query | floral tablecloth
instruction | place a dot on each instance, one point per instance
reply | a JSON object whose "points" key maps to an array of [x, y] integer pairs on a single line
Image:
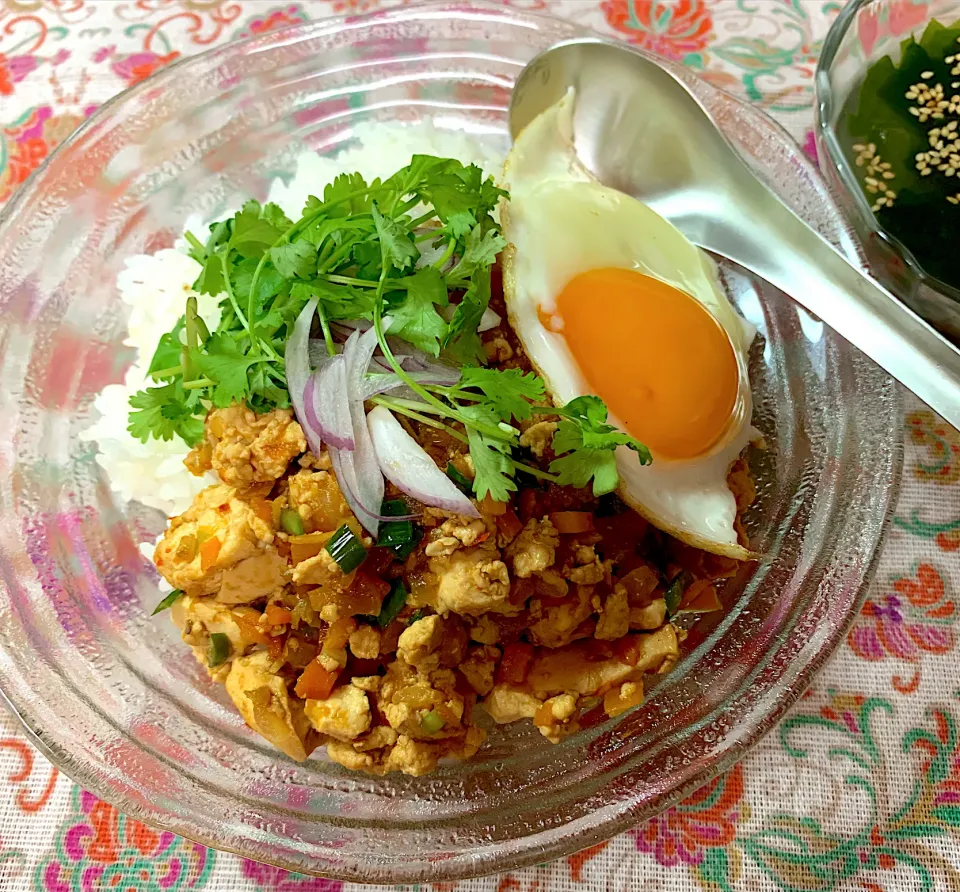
{"points": [[858, 788]]}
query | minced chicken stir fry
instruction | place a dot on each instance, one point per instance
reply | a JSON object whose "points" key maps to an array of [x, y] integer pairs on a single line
{"points": [[552, 606]]}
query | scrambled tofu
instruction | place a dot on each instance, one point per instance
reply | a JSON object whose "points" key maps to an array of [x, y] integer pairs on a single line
{"points": [[538, 438], [208, 547], [266, 705], [315, 496], [501, 612], [344, 715], [246, 449], [535, 549], [199, 618], [471, 581], [457, 532]]}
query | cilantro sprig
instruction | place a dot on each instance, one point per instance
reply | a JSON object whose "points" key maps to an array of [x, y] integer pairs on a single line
{"points": [[586, 446], [358, 249]]}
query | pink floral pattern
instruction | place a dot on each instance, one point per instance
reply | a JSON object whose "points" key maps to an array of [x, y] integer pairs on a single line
{"points": [[916, 617]]}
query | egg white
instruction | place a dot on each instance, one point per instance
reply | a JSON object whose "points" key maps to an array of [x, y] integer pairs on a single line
{"points": [[560, 222]]}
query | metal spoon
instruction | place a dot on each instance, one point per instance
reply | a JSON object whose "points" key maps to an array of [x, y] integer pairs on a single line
{"points": [[641, 131]]}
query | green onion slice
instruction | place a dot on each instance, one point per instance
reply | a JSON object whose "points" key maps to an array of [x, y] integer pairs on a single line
{"points": [[431, 722], [168, 601], [463, 483], [346, 549], [675, 591], [399, 536], [219, 649], [291, 522], [392, 604]]}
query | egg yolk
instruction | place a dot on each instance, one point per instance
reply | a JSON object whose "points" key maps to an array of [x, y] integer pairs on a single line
{"points": [[657, 357]]}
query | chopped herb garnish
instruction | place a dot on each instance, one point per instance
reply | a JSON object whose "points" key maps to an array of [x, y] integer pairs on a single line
{"points": [[393, 604], [416, 616], [464, 483], [219, 649], [675, 590], [590, 444], [346, 549], [291, 522], [356, 250], [432, 722], [399, 536], [168, 601]]}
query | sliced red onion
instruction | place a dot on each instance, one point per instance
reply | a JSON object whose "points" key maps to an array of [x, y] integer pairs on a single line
{"points": [[357, 353], [297, 364], [317, 351], [410, 468], [380, 383], [327, 406], [345, 471], [489, 320]]}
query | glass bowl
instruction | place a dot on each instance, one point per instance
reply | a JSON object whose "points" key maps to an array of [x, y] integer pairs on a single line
{"points": [[118, 702], [865, 31]]}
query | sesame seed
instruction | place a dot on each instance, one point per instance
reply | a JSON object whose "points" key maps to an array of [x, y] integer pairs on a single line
{"points": [[926, 74]]}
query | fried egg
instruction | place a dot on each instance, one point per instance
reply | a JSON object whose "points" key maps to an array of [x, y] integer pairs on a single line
{"points": [[609, 298]]}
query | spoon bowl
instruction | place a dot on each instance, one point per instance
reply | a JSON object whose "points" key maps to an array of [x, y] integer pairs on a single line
{"points": [[641, 131]]}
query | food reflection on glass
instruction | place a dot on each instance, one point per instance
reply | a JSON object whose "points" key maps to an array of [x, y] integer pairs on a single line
{"points": [[899, 133], [453, 451]]}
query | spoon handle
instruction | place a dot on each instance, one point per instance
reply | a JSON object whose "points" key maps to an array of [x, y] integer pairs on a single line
{"points": [[810, 270]]}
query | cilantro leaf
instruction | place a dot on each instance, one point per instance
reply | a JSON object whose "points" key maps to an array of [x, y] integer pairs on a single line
{"points": [[491, 458], [344, 185], [223, 362], [275, 216], [269, 284], [480, 250], [210, 280], [577, 469], [397, 249], [508, 392], [167, 354], [252, 235], [165, 412], [416, 319], [339, 301], [462, 341], [584, 433], [296, 259]]}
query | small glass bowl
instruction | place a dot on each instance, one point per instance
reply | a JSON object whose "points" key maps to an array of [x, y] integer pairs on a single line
{"points": [[865, 31], [114, 697]]}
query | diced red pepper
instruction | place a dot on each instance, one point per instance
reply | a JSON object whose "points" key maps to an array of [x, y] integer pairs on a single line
{"points": [[516, 661], [277, 615], [315, 682]]}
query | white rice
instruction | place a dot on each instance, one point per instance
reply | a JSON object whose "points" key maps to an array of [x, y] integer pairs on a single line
{"points": [[155, 287]]}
